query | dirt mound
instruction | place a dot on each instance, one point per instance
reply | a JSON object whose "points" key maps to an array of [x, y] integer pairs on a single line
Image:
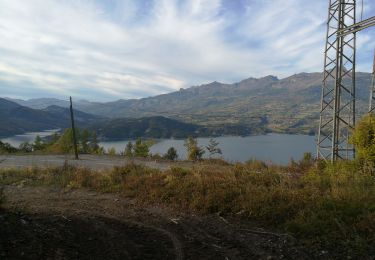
{"points": [[41, 236]]}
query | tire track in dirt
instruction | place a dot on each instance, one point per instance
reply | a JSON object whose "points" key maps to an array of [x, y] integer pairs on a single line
{"points": [[175, 241]]}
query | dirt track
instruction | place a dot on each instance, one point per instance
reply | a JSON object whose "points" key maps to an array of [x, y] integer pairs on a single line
{"points": [[96, 162], [51, 223]]}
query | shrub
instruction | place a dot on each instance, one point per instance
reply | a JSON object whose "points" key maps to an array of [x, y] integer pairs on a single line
{"points": [[171, 154], [129, 150], [141, 149], [26, 147], [363, 138], [111, 151]]}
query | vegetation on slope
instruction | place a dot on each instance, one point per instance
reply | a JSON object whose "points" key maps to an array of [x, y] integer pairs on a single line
{"points": [[329, 206]]}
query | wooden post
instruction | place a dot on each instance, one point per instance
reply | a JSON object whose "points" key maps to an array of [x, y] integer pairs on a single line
{"points": [[73, 129]]}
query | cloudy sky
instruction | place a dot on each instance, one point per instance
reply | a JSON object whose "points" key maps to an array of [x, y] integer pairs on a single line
{"points": [[111, 49]]}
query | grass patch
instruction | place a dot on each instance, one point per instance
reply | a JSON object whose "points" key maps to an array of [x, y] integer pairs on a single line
{"points": [[326, 206]]}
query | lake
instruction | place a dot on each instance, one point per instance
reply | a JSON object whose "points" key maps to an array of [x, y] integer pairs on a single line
{"points": [[27, 137], [276, 148]]}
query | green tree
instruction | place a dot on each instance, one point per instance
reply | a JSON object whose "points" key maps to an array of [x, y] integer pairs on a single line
{"points": [[94, 144], [65, 142], [38, 144], [129, 150], [84, 140], [7, 148], [194, 152], [141, 149], [363, 138], [54, 138], [171, 154], [213, 148]]}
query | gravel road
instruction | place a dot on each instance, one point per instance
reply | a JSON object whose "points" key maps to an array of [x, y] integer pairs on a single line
{"points": [[95, 162]]}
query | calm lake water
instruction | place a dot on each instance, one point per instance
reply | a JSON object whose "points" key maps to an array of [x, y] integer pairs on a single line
{"points": [[27, 137], [276, 148]]}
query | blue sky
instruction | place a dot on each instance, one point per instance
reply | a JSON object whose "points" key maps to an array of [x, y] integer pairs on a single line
{"points": [[110, 49]]}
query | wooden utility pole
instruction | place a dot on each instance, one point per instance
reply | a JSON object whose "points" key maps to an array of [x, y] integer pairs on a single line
{"points": [[73, 129]]}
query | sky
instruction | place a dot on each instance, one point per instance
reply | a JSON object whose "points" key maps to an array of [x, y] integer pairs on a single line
{"points": [[103, 50]]}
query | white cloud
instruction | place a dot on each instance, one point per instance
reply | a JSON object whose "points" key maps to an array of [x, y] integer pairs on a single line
{"points": [[127, 48]]}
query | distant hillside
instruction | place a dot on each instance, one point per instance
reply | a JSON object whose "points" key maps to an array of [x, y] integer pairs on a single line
{"points": [[289, 105], [17, 119], [153, 127], [162, 127], [64, 115]]}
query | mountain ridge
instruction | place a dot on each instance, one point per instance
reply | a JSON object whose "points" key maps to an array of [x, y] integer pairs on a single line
{"points": [[287, 105]]}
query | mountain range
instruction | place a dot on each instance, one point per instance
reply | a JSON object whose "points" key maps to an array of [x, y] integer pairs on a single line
{"points": [[251, 106], [16, 119]]}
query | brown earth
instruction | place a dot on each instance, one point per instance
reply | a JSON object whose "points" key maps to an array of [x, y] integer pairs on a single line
{"points": [[52, 223]]}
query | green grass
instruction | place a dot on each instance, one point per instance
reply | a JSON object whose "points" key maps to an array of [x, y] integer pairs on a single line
{"points": [[324, 206]]}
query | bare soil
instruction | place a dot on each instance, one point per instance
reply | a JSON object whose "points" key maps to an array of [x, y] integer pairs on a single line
{"points": [[51, 223]]}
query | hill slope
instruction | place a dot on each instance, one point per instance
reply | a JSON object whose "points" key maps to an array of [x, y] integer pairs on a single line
{"points": [[289, 105], [17, 119]]}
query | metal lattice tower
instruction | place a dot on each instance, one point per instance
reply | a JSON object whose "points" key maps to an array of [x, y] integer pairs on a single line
{"points": [[371, 107], [337, 114]]}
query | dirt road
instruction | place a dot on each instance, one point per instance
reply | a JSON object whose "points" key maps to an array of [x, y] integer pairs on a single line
{"points": [[51, 223], [95, 162]]}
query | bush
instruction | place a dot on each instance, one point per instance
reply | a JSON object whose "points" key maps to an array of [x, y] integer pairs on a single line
{"points": [[26, 147], [7, 148], [363, 138], [171, 154], [129, 150], [111, 151], [141, 149]]}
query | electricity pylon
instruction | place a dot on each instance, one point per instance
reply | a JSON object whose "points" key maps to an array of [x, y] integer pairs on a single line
{"points": [[337, 111], [371, 106]]}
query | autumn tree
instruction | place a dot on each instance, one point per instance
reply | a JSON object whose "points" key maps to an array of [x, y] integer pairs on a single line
{"points": [[363, 139], [194, 152]]}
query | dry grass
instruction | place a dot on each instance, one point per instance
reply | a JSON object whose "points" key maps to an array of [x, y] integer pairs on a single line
{"points": [[328, 206]]}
